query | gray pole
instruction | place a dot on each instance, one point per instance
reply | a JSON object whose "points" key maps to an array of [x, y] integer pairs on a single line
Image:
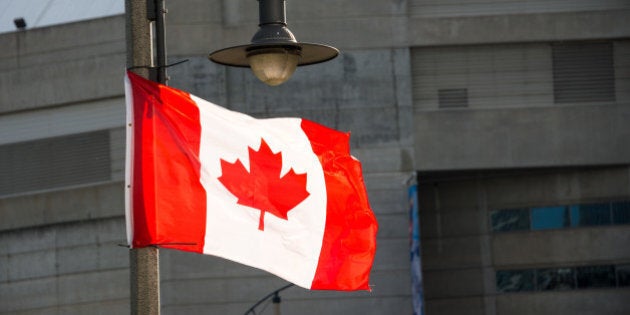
{"points": [[143, 262]]}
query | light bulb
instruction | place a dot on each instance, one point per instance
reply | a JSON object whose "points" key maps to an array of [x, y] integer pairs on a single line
{"points": [[273, 66]]}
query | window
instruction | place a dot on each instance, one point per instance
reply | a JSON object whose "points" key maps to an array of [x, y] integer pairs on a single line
{"points": [[55, 162], [555, 279], [510, 220], [562, 216], [544, 218], [563, 278], [515, 280], [596, 277], [623, 275], [590, 214], [621, 212], [583, 72]]}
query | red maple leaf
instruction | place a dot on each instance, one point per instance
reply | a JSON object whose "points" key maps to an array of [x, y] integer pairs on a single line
{"points": [[262, 187]]}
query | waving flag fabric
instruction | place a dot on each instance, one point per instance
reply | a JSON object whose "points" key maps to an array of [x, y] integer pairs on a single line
{"points": [[283, 194]]}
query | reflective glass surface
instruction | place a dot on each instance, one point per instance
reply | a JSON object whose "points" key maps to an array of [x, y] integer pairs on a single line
{"points": [[623, 275], [515, 280], [544, 218], [561, 216], [595, 276], [621, 212], [555, 279], [590, 214], [510, 220]]}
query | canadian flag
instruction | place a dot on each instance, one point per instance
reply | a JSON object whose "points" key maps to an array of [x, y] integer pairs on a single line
{"points": [[283, 195]]}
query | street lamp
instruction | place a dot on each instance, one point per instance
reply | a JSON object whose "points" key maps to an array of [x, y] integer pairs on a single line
{"points": [[273, 53]]}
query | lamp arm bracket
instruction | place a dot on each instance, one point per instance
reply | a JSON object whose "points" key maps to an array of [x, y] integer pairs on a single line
{"points": [[153, 70], [158, 67], [274, 294]]}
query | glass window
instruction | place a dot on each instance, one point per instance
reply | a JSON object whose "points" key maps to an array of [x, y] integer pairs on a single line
{"points": [[555, 279], [621, 212], [590, 214], [595, 276], [515, 280], [510, 220], [544, 218], [623, 275]]}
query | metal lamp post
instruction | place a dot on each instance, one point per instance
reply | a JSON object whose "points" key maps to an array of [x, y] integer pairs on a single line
{"points": [[273, 53], [146, 56]]}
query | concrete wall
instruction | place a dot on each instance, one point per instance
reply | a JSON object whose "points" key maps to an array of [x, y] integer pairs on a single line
{"points": [[583, 135], [67, 268], [65, 64]]}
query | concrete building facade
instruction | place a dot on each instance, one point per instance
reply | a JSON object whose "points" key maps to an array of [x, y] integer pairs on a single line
{"points": [[512, 114]]}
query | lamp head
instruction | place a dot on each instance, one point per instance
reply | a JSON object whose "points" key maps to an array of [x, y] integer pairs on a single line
{"points": [[273, 53]]}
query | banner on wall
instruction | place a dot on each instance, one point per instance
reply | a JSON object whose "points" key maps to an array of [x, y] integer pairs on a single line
{"points": [[417, 292]]}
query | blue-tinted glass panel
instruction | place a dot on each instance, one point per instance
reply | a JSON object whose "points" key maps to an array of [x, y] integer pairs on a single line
{"points": [[555, 279], [544, 218], [510, 220], [595, 276], [515, 280], [621, 212], [590, 214], [623, 275]]}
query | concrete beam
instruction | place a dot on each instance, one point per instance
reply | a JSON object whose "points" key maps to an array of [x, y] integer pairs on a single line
{"points": [[523, 137], [81, 203], [515, 28], [567, 248]]}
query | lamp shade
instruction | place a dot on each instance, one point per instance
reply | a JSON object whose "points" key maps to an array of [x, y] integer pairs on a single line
{"points": [[274, 53], [309, 53]]}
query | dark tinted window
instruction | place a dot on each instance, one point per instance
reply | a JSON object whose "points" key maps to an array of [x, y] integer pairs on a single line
{"points": [[555, 279], [590, 214], [563, 278], [510, 220], [621, 212], [623, 275], [515, 280], [595, 276]]}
